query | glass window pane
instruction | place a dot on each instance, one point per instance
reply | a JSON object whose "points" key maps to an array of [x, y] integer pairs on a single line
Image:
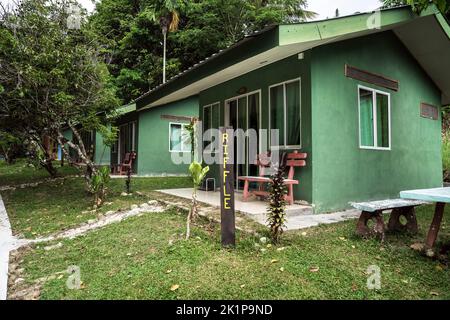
{"points": [[293, 113], [277, 112], [366, 118], [175, 137], [206, 125], [241, 141], [215, 116], [382, 120], [253, 123]]}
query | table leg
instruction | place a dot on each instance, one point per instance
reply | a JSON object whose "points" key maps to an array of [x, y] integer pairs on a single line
{"points": [[435, 225], [246, 192]]}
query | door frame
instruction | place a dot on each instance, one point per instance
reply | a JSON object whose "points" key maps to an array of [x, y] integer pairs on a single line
{"points": [[227, 121], [133, 139]]}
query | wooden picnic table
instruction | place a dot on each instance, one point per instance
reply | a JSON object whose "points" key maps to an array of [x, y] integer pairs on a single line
{"points": [[441, 196]]}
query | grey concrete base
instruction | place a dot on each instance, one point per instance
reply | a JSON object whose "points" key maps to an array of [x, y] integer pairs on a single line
{"points": [[254, 208], [297, 216], [303, 222]]}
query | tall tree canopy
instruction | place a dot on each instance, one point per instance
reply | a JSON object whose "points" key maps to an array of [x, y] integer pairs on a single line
{"points": [[52, 76], [132, 36]]}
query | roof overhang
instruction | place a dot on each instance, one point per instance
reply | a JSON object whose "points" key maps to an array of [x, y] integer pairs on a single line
{"points": [[426, 36]]}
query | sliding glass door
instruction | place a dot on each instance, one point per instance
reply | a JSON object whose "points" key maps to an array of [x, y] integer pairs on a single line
{"points": [[243, 112]]}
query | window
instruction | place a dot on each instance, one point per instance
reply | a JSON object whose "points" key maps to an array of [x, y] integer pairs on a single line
{"points": [[374, 119], [179, 138], [211, 120], [285, 107]]}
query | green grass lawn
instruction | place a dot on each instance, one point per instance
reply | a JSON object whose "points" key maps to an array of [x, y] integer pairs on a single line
{"points": [[143, 257], [20, 172], [58, 205]]}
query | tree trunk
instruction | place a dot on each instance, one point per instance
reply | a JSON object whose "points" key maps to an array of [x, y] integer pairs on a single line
{"points": [[48, 165], [81, 151], [192, 214], [47, 161]]}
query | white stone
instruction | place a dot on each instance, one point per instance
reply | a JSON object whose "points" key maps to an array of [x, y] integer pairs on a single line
{"points": [[145, 206], [56, 246], [134, 206]]}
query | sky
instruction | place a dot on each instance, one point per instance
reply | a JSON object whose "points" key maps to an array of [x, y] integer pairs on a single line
{"points": [[327, 8], [324, 8]]}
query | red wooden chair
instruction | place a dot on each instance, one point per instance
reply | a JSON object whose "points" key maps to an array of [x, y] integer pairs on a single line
{"points": [[126, 164], [293, 160]]}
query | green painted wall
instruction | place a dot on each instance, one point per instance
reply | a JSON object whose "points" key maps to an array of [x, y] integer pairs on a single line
{"points": [[261, 79], [154, 155], [342, 171]]}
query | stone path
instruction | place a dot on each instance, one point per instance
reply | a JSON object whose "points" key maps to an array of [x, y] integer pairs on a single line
{"points": [[151, 207], [9, 243], [35, 184]]}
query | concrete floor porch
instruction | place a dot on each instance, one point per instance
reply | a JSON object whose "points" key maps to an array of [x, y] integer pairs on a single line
{"points": [[297, 216], [254, 208]]}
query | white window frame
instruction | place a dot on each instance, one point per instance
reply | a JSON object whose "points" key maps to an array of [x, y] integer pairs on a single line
{"points": [[284, 83], [183, 126], [374, 120], [227, 120], [246, 96]]}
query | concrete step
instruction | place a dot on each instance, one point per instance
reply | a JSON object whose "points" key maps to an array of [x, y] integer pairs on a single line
{"points": [[298, 210]]}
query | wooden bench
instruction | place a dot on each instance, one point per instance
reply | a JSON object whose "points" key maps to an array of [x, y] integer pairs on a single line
{"points": [[294, 159], [373, 210]]}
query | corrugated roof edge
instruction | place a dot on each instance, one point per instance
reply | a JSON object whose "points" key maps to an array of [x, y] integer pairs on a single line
{"points": [[244, 39]]}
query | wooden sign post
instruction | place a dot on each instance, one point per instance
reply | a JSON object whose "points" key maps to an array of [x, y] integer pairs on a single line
{"points": [[227, 212]]}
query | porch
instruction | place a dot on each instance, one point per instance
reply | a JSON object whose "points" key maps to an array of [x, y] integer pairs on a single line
{"points": [[298, 216]]}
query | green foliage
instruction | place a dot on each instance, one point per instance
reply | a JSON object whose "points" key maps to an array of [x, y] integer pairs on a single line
{"points": [[198, 173], [131, 37], [99, 185], [446, 155], [277, 204], [190, 129], [52, 75], [420, 5], [9, 146]]}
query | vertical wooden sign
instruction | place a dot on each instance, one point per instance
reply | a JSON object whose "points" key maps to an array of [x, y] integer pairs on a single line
{"points": [[227, 212]]}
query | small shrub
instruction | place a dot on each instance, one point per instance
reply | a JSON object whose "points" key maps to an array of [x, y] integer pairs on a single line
{"points": [[99, 185], [198, 173], [277, 204]]}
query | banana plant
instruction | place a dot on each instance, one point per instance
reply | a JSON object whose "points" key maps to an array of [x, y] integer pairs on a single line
{"points": [[198, 174]]}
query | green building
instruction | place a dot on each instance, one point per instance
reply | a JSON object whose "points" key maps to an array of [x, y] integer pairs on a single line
{"points": [[360, 94]]}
